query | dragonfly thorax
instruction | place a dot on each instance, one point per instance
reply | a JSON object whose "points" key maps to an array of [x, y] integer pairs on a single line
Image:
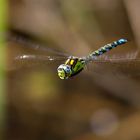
{"points": [[72, 66]]}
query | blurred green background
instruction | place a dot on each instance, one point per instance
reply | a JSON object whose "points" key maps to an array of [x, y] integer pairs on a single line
{"points": [[3, 27], [102, 102]]}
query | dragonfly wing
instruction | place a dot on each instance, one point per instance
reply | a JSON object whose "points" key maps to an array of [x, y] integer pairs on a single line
{"points": [[27, 60], [121, 86], [119, 76], [127, 64], [28, 43], [39, 57]]}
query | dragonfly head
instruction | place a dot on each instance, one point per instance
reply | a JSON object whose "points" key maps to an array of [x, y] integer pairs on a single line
{"points": [[64, 71]]}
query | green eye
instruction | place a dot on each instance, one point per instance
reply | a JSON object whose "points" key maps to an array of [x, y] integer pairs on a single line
{"points": [[61, 74]]}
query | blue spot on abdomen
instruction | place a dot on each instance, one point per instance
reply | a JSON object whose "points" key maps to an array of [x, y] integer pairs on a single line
{"points": [[122, 41]]}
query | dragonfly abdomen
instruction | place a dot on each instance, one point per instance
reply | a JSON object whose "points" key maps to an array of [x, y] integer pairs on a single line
{"points": [[107, 48]]}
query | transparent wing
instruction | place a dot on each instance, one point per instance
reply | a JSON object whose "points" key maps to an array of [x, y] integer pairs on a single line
{"points": [[125, 64], [119, 57], [32, 44], [124, 86], [30, 53], [119, 75], [27, 57], [28, 60]]}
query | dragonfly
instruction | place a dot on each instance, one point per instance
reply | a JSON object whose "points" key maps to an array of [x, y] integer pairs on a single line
{"points": [[118, 73], [73, 65]]}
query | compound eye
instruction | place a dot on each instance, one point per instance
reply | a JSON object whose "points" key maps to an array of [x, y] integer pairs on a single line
{"points": [[67, 69]]}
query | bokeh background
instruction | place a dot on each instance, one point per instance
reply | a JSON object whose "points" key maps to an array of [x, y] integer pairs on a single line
{"points": [[102, 102]]}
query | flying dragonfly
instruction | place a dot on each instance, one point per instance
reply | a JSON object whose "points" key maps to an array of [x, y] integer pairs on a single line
{"points": [[73, 65]]}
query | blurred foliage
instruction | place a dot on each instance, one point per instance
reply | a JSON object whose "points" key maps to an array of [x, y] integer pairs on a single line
{"points": [[3, 25]]}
